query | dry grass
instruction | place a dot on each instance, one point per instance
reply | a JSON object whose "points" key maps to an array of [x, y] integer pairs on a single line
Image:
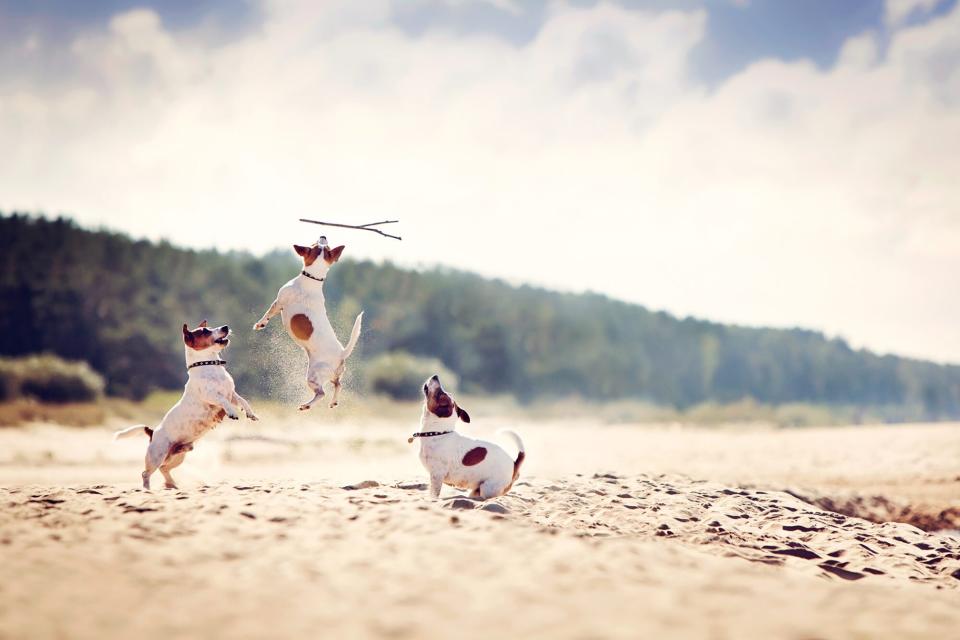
{"points": [[72, 414], [356, 406]]}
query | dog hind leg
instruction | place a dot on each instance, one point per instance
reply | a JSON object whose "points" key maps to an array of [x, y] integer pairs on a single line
{"points": [[335, 380], [170, 464], [156, 454], [488, 489], [317, 394], [336, 392], [316, 376]]}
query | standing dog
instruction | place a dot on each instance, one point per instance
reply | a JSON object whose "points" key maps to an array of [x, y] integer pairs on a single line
{"points": [[208, 396], [482, 468], [302, 307]]}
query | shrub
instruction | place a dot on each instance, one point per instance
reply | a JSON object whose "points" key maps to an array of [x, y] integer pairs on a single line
{"points": [[400, 375], [9, 383], [798, 414], [742, 411], [48, 378]]}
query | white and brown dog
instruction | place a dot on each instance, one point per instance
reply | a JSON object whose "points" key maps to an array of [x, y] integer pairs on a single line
{"points": [[302, 307], [482, 468], [208, 396]]}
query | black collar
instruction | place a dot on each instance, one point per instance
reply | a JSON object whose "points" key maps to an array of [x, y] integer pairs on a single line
{"points": [[427, 434], [203, 363], [304, 273]]}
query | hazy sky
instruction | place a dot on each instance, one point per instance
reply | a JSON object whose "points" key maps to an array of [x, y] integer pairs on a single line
{"points": [[753, 161]]}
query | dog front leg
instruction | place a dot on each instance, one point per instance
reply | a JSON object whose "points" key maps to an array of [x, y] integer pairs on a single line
{"points": [[436, 483], [220, 399], [247, 409], [272, 311]]}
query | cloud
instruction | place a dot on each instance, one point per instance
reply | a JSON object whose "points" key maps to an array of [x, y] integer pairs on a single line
{"points": [[588, 158], [898, 11]]}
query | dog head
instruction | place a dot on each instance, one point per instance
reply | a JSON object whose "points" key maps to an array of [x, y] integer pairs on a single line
{"points": [[318, 257], [205, 339], [438, 405]]}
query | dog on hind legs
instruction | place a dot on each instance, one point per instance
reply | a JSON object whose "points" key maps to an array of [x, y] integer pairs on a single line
{"points": [[482, 468], [302, 307], [208, 397]]}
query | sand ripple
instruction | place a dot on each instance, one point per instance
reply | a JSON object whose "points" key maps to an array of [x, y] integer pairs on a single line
{"points": [[583, 556]]}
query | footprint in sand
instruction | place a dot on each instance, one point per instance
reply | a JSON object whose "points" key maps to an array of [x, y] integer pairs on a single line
{"points": [[366, 484], [493, 507], [840, 572], [806, 554]]}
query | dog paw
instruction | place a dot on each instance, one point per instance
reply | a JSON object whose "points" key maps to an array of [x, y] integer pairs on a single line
{"points": [[334, 405], [233, 416], [304, 407], [259, 326], [252, 416], [170, 485]]}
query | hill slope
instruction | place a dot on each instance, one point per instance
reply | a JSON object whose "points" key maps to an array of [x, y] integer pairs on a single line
{"points": [[118, 303]]}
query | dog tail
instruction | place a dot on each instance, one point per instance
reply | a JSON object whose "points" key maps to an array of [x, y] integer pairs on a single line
{"points": [[354, 336], [129, 432], [521, 453]]}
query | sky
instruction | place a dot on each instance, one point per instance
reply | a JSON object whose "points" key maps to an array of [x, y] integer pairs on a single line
{"points": [[761, 162]]}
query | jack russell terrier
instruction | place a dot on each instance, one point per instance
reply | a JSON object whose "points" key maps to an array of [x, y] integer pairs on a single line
{"points": [[482, 468], [208, 396], [302, 307]]}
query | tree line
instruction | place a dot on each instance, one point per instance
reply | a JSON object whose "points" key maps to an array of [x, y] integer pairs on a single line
{"points": [[117, 303]]}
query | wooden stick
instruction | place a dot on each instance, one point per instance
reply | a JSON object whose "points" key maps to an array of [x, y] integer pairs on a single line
{"points": [[363, 227]]}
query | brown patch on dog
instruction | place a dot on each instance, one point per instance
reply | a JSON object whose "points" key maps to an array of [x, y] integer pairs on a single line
{"points": [[474, 456], [179, 447], [521, 456], [199, 339], [332, 255], [301, 326], [220, 415], [441, 405], [309, 254]]}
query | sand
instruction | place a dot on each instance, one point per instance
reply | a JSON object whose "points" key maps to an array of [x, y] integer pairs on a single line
{"points": [[612, 532]]}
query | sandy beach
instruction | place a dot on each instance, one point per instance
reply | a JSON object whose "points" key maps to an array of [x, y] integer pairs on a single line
{"points": [[612, 532]]}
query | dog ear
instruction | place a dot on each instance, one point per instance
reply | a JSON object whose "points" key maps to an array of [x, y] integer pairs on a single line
{"points": [[463, 415], [301, 250], [187, 336], [332, 255], [203, 324]]}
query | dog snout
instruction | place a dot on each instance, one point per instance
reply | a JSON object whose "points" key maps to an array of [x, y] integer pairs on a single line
{"points": [[225, 329], [435, 378]]}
